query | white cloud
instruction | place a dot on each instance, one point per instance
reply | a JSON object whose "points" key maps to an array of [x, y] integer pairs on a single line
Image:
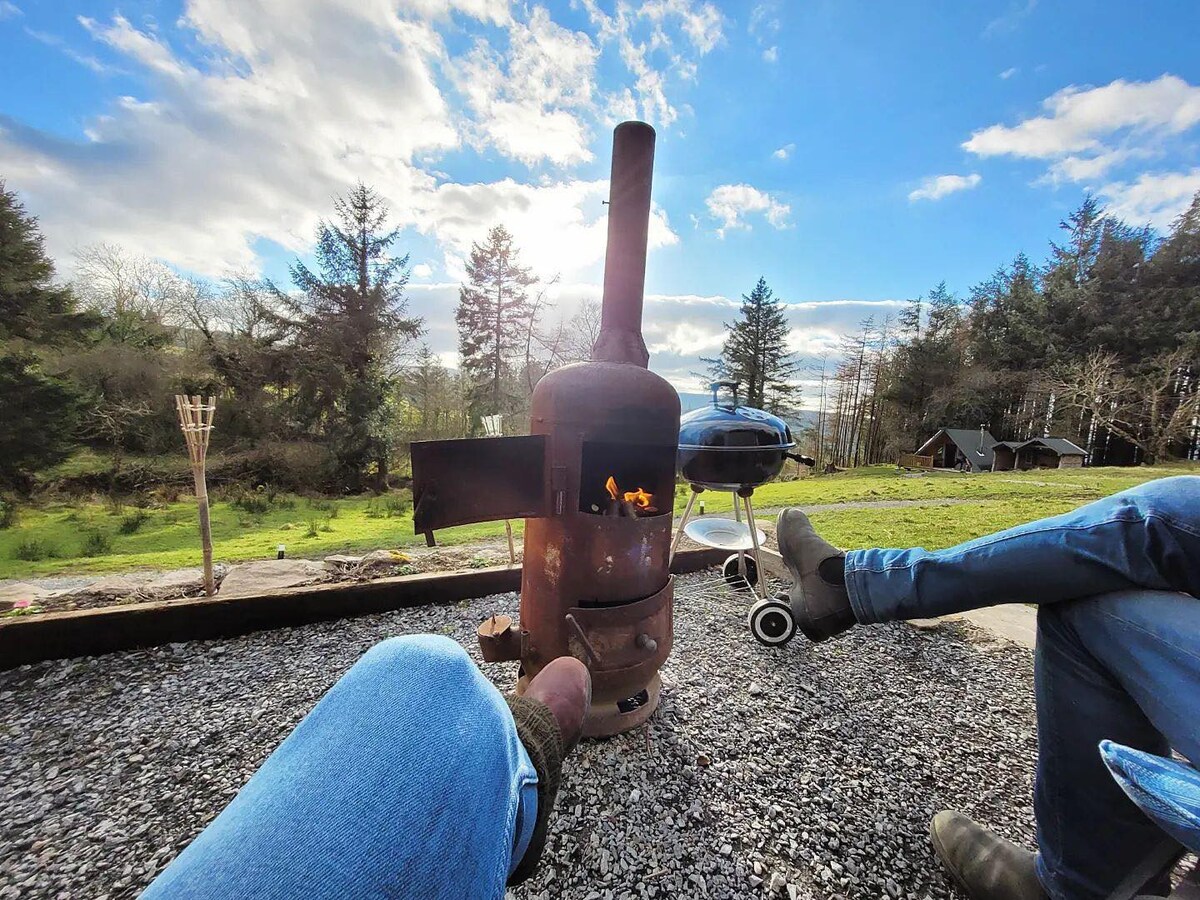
{"points": [[559, 226], [1008, 73], [1087, 134], [53, 40], [1008, 22], [650, 52], [9, 10], [771, 55], [764, 19], [1077, 118], [422, 270], [1153, 199], [293, 101], [938, 186], [527, 103], [729, 204], [784, 152]]}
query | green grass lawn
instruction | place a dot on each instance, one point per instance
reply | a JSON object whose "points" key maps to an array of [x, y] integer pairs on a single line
{"points": [[167, 537]]}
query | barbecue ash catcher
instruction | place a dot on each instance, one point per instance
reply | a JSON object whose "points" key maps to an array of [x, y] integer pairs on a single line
{"points": [[595, 481]]}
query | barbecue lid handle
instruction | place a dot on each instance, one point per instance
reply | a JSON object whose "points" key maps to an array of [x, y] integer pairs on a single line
{"points": [[733, 389]]}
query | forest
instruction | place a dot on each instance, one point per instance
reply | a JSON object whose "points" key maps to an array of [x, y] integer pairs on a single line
{"points": [[322, 383], [1099, 343]]}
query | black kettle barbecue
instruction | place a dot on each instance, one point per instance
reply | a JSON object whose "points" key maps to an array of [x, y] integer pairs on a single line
{"points": [[729, 447]]}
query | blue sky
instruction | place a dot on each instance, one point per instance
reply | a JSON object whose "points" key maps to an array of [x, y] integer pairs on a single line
{"points": [[853, 153]]}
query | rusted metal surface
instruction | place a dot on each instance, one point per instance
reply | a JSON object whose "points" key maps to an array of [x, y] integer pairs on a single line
{"points": [[620, 338], [499, 639], [459, 482], [595, 581]]}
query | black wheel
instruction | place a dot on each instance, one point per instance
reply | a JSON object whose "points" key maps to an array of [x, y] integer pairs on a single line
{"points": [[771, 623], [734, 578]]}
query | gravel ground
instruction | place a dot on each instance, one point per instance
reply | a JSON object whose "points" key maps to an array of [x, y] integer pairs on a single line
{"points": [[813, 769]]}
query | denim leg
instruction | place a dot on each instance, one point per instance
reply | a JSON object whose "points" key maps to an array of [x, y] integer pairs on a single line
{"points": [[406, 780], [1146, 537], [1123, 666]]}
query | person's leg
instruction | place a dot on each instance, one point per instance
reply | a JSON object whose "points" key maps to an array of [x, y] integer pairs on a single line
{"points": [[1146, 537], [407, 779], [1123, 667]]}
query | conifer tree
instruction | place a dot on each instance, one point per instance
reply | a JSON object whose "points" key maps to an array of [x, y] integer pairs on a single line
{"points": [[755, 353], [350, 325], [493, 319], [39, 412]]}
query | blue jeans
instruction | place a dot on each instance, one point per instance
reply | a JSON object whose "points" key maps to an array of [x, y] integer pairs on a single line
{"points": [[406, 780], [1118, 653]]}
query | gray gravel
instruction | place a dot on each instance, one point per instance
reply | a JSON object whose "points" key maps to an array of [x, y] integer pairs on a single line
{"points": [[814, 769]]}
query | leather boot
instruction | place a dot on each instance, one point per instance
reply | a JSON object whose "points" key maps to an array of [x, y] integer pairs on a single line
{"points": [[820, 604], [983, 864]]}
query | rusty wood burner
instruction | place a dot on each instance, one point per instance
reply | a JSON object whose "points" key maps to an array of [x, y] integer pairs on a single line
{"points": [[595, 481]]}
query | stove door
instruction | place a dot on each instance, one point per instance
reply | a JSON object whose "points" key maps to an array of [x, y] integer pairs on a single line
{"points": [[461, 482]]}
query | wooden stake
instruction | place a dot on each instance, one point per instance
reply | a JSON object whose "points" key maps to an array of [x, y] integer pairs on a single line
{"points": [[195, 421], [512, 550]]}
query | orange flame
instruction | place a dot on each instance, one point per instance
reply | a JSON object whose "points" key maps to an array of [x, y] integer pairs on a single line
{"points": [[639, 498]]}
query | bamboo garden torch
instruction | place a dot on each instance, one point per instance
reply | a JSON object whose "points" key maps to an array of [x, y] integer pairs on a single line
{"points": [[195, 421]]}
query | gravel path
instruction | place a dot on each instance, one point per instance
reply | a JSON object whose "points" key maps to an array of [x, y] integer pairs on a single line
{"points": [[814, 768]]}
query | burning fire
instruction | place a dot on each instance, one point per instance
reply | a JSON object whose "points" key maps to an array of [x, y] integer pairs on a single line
{"points": [[639, 498]]}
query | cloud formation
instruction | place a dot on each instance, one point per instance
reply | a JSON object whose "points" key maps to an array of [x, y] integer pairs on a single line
{"points": [[730, 204], [1086, 133], [254, 115], [938, 186], [785, 151]]}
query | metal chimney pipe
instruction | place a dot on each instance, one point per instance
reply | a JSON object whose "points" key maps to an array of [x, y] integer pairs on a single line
{"points": [[620, 338]]}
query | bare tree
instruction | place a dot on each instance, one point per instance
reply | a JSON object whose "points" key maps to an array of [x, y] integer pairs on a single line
{"points": [[581, 332], [116, 282], [1151, 410]]}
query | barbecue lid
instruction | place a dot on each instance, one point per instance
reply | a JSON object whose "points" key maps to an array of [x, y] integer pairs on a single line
{"points": [[730, 427]]}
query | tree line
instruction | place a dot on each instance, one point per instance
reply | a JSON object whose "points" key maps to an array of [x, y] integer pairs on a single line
{"points": [[1100, 344], [321, 384]]}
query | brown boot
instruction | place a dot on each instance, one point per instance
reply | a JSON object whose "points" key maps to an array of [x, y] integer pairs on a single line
{"points": [[549, 718], [820, 604], [983, 864]]}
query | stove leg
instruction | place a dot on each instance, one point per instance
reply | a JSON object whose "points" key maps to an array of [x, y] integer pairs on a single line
{"points": [[687, 514], [761, 587]]}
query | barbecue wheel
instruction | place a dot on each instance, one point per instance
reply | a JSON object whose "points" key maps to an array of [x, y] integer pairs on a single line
{"points": [[734, 578], [771, 622]]}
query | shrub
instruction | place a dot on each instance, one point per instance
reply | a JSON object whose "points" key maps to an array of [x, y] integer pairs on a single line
{"points": [[8, 514], [133, 522], [313, 528], [296, 466], [96, 543], [33, 551], [322, 504], [395, 506]]}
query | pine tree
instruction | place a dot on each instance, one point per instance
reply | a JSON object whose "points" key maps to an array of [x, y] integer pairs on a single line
{"points": [[493, 317], [39, 412], [350, 326], [755, 353]]}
